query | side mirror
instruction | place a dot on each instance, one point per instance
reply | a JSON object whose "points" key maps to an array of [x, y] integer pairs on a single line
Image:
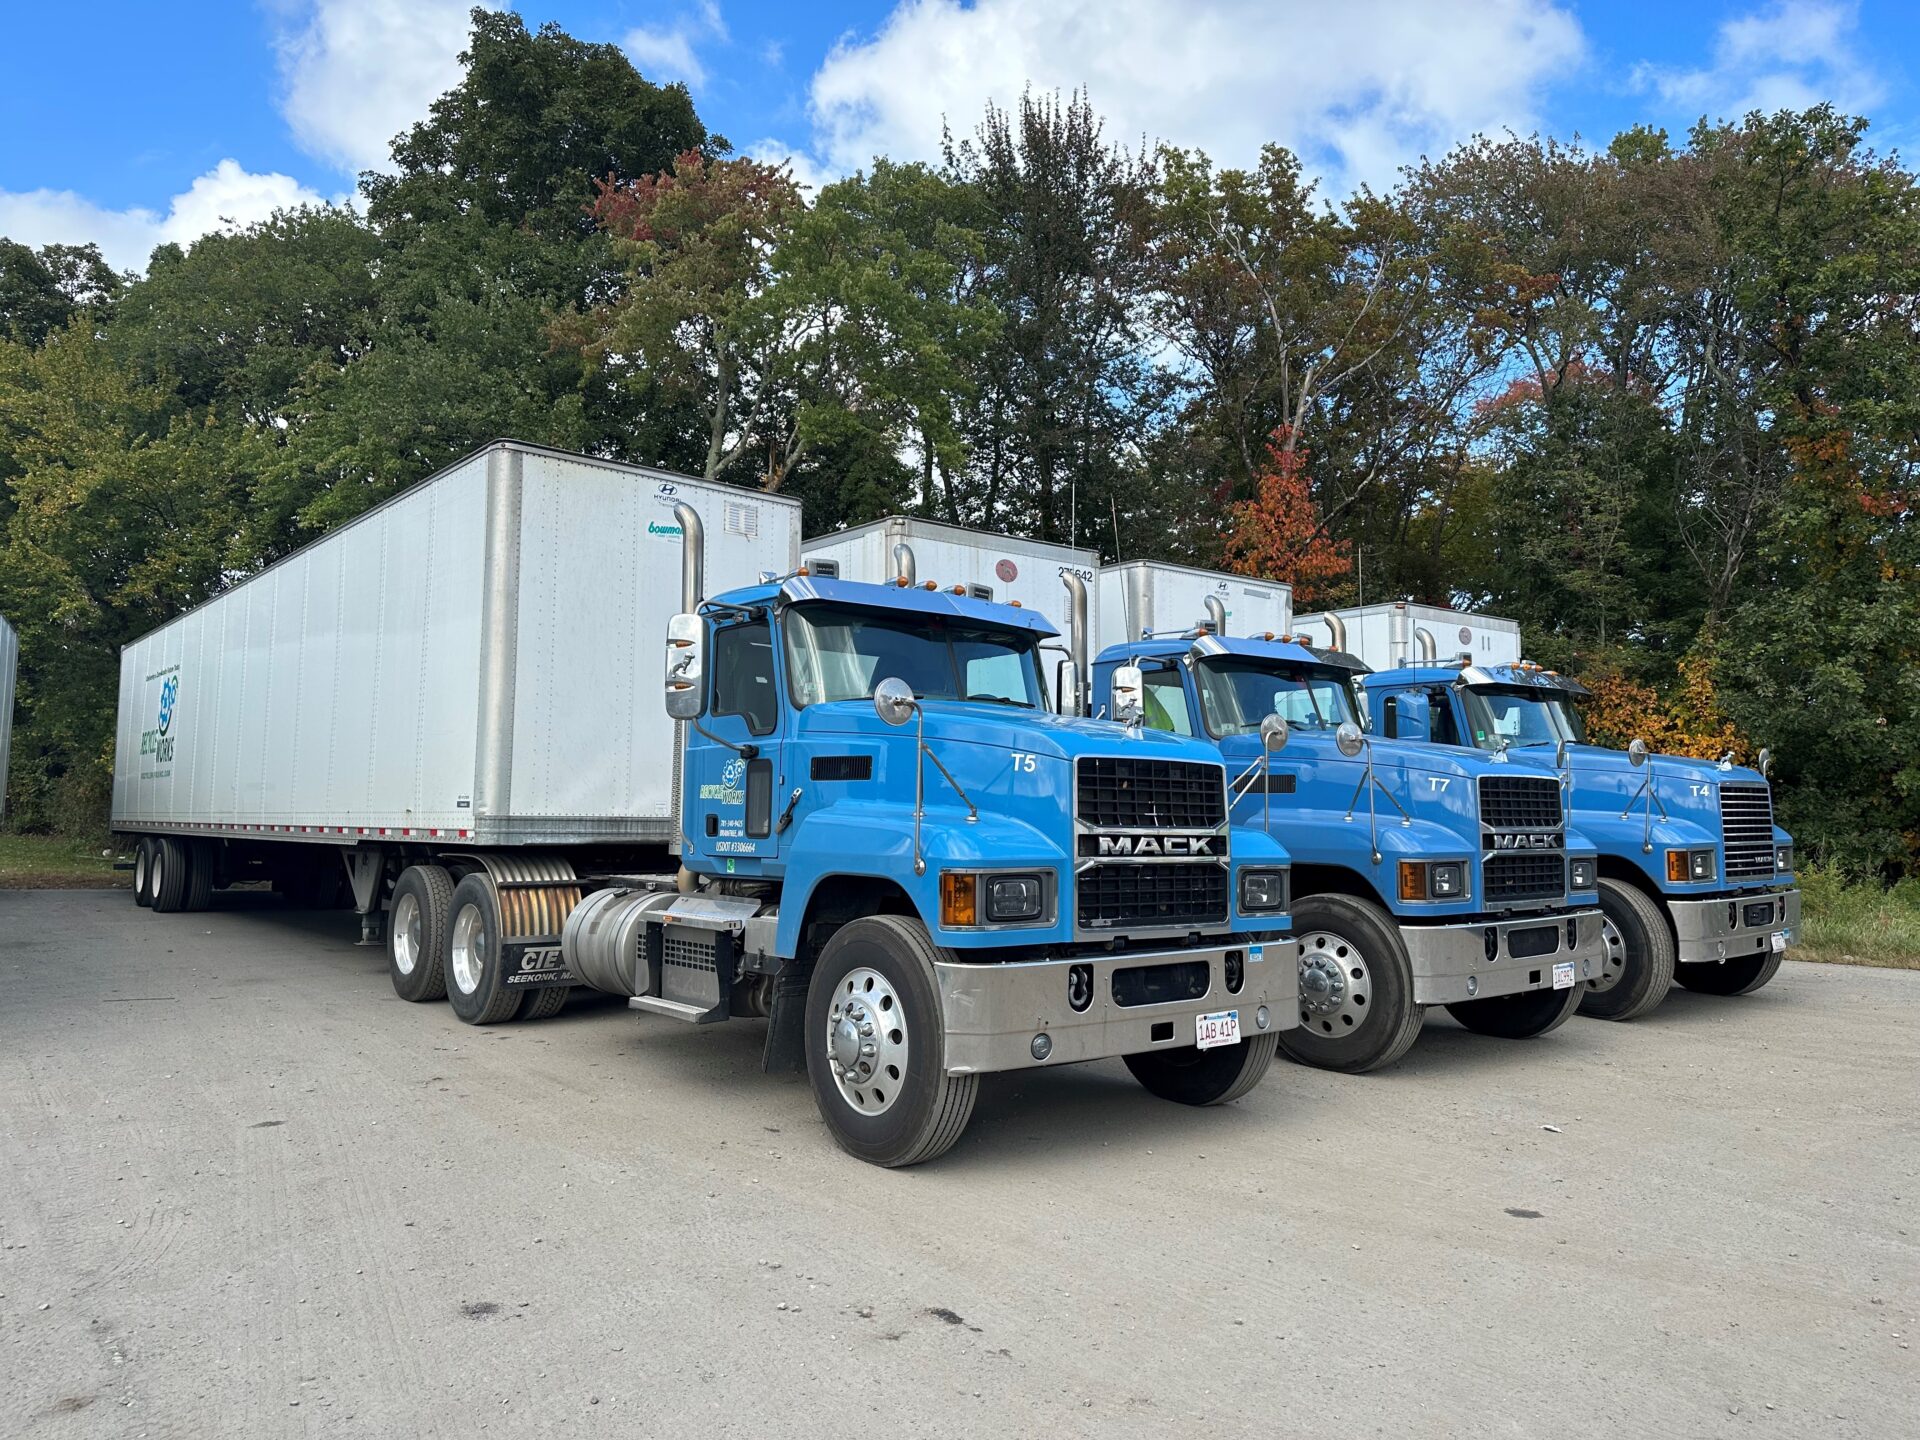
{"points": [[1637, 753], [1560, 756], [686, 667], [1066, 688], [893, 700], [1129, 695], [1766, 762], [1273, 732], [1349, 740]]}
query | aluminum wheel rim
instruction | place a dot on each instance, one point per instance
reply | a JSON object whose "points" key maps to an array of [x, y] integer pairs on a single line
{"points": [[1613, 962], [1336, 988], [867, 1042], [469, 943], [158, 869], [406, 934]]}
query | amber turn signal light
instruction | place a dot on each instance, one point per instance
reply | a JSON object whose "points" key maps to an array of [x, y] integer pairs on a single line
{"points": [[1413, 880], [957, 899]]}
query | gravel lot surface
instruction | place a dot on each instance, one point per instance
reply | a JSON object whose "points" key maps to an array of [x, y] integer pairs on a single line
{"points": [[245, 1191]]}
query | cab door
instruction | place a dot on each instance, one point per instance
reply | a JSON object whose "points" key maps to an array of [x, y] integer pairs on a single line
{"points": [[733, 771]]}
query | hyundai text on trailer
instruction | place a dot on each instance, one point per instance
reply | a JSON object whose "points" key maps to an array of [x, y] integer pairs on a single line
{"points": [[886, 845], [1696, 881]]}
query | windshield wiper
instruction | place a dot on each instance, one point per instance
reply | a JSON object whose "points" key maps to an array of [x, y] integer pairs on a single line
{"points": [[1002, 700]]}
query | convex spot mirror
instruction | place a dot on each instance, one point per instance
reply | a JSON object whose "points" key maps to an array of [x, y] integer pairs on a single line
{"points": [[1765, 762], [893, 700], [1273, 732], [686, 667], [1129, 695], [1637, 753], [1349, 739]]}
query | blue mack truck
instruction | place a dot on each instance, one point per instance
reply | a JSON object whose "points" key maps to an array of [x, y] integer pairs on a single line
{"points": [[1696, 881], [1420, 878], [896, 852]]}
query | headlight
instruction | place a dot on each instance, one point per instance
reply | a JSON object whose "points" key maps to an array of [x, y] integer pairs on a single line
{"points": [[1783, 860], [1263, 891], [1015, 897], [1580, 875], [1448, 880], [1432, 880], [1684, 866], [1700, 865]]}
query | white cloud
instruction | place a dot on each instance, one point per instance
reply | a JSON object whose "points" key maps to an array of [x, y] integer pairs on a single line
{"points": [[1789, 56], [801, 165], [226, 197], [668, 52], [356, 73], [1357, 88]]}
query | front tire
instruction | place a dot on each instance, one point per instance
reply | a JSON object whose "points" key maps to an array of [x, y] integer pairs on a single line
{"points": [[876, 1045], [417, 933], [1192, 1076], [1356, 988], [1730, 977], [1637, 969], [476, 988], [1519, 1017]]}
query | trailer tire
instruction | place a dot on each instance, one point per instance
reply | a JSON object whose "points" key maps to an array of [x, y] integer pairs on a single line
{"points": [[1192, 1076], [417, 933], [547, 1001], [1640, 955], [169, 870], [1730, 977], [476, 987], [1351, 1022], [143, 872], [201, 865], [877, 972], [1519, 1017]]}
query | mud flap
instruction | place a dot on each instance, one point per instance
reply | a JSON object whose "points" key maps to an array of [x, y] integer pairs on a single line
{"points": [[786, 1051]]}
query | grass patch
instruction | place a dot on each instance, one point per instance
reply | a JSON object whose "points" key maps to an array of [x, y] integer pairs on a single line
{"points": [[50, 862], [1858, 924]]}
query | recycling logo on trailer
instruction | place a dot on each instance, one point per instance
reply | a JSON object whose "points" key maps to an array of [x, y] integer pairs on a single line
{"points": [[156, 745]]}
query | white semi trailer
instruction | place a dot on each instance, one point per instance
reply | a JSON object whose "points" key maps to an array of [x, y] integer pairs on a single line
{"points": [[426, 679], [1399, 632], [1137, 599], [9, 669]]}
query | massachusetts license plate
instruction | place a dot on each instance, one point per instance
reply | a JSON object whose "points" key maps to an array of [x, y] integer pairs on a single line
{"points": [[1780, 939], [1563, 975], [1220, 1028]]}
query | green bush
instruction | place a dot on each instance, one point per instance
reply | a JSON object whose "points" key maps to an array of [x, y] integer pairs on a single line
{"points": [[1858, 923]]}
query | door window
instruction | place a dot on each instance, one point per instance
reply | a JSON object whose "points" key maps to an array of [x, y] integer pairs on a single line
{"points": [[1164, 702], [743, 676]]}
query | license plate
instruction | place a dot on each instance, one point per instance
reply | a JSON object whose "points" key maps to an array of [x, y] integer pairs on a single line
{"points": [[1780, 939], [1563, 975], [1220, 1028]]}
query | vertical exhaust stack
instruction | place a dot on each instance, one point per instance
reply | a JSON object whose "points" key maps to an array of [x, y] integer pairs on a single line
{"points": [[1077, 641], [1429, 647], [1336, 631], [693, 556], [1399, 641], [1217, 614], [904, 569]]}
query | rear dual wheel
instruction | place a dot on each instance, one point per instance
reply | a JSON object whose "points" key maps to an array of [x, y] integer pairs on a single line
{"points": [[417, 933], [1192, 1076], [1730, 977], [1519, 1017], [143, 872], [476, 983]]}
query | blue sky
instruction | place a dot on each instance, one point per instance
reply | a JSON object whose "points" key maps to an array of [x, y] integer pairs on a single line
{"points": [[131, 123]]}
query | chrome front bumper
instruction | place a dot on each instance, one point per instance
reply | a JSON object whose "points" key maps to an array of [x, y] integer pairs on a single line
{"points": [[1705, 930], [992, 1012], [1446, 957]]}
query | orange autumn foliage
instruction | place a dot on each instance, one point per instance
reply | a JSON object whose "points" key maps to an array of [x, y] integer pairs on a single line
{"points": [[1277, 535], [1686, 720]]}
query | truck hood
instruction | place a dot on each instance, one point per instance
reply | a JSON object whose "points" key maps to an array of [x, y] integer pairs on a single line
{"points": [[1008, 728]]}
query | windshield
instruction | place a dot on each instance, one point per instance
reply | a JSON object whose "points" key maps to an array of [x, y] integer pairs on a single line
{"points": [[838, 653], [1235, 695], [1522, 718]]}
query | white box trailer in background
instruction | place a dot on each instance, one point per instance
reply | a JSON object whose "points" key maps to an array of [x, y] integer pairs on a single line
{"points": [[459, 665], [992, 567], [1398, 633], [1142, 597], [9, 671]]}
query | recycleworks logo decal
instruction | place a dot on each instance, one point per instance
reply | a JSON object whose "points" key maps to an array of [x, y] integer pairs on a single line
{"points": [[729, 791], [156, 745]]}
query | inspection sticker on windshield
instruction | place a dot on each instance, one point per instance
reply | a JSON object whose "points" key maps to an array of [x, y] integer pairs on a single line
{"points": [[1563, 975], [1780, 938], [1220, 1028]]}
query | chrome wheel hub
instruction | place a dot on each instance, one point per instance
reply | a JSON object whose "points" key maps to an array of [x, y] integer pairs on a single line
{"points": [[406, 934], [1613, 959], [1335, 987], [468, 948], [867, 1042]]}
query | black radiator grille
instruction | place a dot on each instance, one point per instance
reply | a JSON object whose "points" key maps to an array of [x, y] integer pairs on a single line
{"points": [[1526, 877], [1113, 897], [1519, 802], [1746, 826], [1120, 792]]}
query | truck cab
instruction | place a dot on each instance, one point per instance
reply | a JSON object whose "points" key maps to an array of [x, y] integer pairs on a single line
{"points": [[1421, 876], [1696, 881], [893, 849]]}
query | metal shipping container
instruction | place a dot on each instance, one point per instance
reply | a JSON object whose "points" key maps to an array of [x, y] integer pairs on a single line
{"points": [[473, 659], [9, 669], [1387, 636], [1138, 597], [997, 567]]}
